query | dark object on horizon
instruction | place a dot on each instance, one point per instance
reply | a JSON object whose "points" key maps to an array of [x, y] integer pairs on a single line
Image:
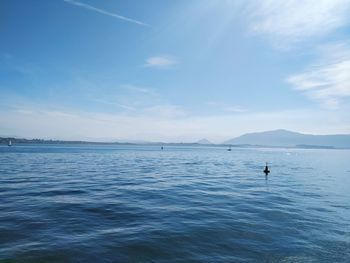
{"points": [[266, 170], [229, 148], [162, 148], [10, 143]]}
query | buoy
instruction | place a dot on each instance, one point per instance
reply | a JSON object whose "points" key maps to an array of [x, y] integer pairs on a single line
{"points": [[266, 170]]}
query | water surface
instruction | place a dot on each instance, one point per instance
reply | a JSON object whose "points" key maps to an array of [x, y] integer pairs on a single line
{"points": [[91, 203]]}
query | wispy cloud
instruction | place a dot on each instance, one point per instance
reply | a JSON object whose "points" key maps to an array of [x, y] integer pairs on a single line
{"points": [[290, 21], [235, 109], [161, 62], [140, 89], [327, 81], [20, 66], [104, 12], [222, 106], [160, 123], [166, 111], [114, 103]]}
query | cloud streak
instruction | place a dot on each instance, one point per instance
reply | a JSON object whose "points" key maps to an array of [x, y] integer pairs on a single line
{"points": [[161, 62], [104, 12], [327, 81]]}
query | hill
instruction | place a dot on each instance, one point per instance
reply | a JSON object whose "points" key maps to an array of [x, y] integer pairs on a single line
{"points": [[204, 141], [284, 138]]}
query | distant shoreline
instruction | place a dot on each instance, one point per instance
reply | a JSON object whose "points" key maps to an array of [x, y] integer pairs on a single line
{"points": [[22, 141]]}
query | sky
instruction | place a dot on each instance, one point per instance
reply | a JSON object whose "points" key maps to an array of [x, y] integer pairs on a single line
{"points": [[173, 71]]}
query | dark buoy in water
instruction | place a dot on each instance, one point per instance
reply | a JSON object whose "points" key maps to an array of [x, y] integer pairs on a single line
{"points": [[162, 148], [266, 170]]}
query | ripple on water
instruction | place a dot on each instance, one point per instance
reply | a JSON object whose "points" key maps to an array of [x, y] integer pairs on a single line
{"points": [[137, 204]]}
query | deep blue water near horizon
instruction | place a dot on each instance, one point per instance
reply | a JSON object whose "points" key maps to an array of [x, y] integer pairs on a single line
{"points": [[102, 203]]}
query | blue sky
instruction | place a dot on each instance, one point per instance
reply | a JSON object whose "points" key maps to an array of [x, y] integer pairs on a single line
{"points": [[177, 70]]}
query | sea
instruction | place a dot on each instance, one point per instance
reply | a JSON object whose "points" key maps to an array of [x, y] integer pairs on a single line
{"points": [[138, 203]]}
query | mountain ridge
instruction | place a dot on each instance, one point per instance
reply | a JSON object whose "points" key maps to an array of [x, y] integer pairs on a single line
{"points": [[204, 141], [274, 138], [286, 138]]}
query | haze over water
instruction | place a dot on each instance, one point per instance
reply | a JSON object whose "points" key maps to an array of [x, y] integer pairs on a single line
{"points": [[183, 204]]}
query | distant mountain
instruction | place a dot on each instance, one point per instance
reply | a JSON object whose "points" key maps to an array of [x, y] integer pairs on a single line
{"points": [[204, 141], [286, 138]]}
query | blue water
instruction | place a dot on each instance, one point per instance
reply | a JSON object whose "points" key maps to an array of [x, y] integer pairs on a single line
{"points": [[202, 204]]}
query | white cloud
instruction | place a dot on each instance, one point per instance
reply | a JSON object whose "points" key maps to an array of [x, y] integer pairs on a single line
{"points": [[161, 62], [104, 12], [290, 21], [328, 81], [222, 106], [235, 109]]}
